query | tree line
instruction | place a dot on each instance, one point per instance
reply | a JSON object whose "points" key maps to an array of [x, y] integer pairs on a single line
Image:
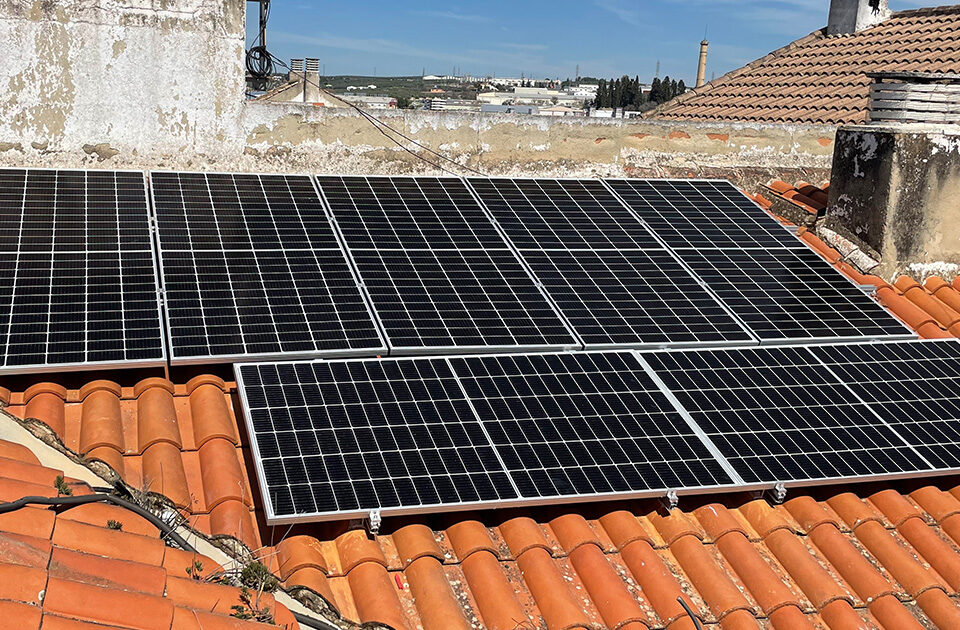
{"points": [[627, 93]]}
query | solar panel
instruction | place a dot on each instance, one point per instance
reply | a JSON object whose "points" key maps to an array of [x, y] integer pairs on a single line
{"points": [[333, 438], [79, 286], [791, 294], [561, 214], [586, 424], [912, 385], [252, 267], [632, 297], [778, 416], [702, 213], [437, 271]]}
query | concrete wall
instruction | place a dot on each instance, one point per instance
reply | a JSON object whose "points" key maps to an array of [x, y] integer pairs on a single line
{"points": [[895, 191], [159, 83]]}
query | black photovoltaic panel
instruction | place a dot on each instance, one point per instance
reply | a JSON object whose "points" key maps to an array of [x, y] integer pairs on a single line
{"points": [[79, 308], [240, 303], [79, 285], [219, 211], [462, 299], [915, 386], [696, 213], [632, 297], [73, 211], [252, 267], [338, 437], [561, 214], [778, 416], [408, 213], [585, 424], [438, 273], [790, 294]]}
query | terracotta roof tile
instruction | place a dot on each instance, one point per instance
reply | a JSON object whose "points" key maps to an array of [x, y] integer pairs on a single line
{"points": [[821, 79]]}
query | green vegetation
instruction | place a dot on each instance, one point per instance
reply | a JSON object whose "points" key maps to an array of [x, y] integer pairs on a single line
{"points": [[625, 93]]}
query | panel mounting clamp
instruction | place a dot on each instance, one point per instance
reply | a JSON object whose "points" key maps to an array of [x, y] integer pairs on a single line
{"points": [[671, 500], [777, 494], [374, 519]]}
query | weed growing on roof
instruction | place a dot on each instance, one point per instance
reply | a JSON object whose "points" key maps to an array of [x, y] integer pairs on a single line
{"points": [[249, 608], [257, 576], [112, 524], [62, 488]]}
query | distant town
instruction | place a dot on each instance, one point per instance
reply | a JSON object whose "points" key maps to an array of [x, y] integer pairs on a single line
{"points": [[623, 97]]}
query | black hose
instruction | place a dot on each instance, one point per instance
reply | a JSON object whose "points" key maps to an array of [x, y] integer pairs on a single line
{"points": [[168, 531], [693, 617]]}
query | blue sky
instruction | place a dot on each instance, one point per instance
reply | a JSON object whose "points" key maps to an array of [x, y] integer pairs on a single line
{"points": [[537, 37]]}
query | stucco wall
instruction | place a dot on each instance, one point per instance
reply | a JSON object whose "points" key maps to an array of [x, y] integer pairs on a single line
{"points": [[896, 191], [160, 84]]}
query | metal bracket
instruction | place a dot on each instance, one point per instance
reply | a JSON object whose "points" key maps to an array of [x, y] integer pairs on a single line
{"points": [[162, 297], [869, 289], [777, 494], [671, 500], [373, 521]]}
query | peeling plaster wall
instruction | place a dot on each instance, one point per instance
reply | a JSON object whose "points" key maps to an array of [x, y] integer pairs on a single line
{"points": [[159, 84], [105, 78], [895, 191]]}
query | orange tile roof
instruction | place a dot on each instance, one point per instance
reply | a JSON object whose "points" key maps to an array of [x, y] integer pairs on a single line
{"points": [[71, 570], [823, 559], [821, 79]]}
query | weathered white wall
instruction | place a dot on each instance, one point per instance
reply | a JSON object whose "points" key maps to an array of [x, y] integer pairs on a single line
{"points": [[146, 76], [159, 83]]}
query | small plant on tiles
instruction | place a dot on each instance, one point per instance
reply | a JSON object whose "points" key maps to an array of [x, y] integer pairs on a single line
{"points": [[249, 607], [62, 488]]}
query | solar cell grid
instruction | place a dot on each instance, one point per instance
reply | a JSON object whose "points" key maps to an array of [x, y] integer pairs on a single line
{"points": [[252, 267], [561, 214], [408, 213], [438, 273], [911, 385], [778, 416], [584, 424], [79, 287], [791, 294], [341, 437], [695, 213], [632, 297], [462, 299]]}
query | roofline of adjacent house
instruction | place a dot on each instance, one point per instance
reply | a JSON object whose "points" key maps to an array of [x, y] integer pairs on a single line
{"points": [[817, 34]]}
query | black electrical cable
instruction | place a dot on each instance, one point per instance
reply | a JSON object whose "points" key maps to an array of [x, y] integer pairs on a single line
{"points": [[159, 523], [380, 125], [693, 617]]}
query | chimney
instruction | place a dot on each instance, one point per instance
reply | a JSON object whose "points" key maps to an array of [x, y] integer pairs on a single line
{"points": [[311, 89], [702, 66], [851, 16], [895, 181]]}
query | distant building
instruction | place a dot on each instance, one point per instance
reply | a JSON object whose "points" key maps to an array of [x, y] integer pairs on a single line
{"points": [[533, 96], [560, 110], [451, 105], [371, 102], [509, 109]]}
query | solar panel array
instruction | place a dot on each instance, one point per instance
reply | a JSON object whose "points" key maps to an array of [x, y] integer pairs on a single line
{"points": [[437, 271], [603, 269], [777, 415], [79, 286], [702, 213], [252, 268], [912, 386], [773, 282], [360, 435]]}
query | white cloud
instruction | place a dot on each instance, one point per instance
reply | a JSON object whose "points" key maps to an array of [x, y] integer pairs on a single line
{"points": [[456, 16], [627, 11]]}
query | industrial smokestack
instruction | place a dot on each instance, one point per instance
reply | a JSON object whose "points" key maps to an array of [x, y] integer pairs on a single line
{"points": [[702, 67]]}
